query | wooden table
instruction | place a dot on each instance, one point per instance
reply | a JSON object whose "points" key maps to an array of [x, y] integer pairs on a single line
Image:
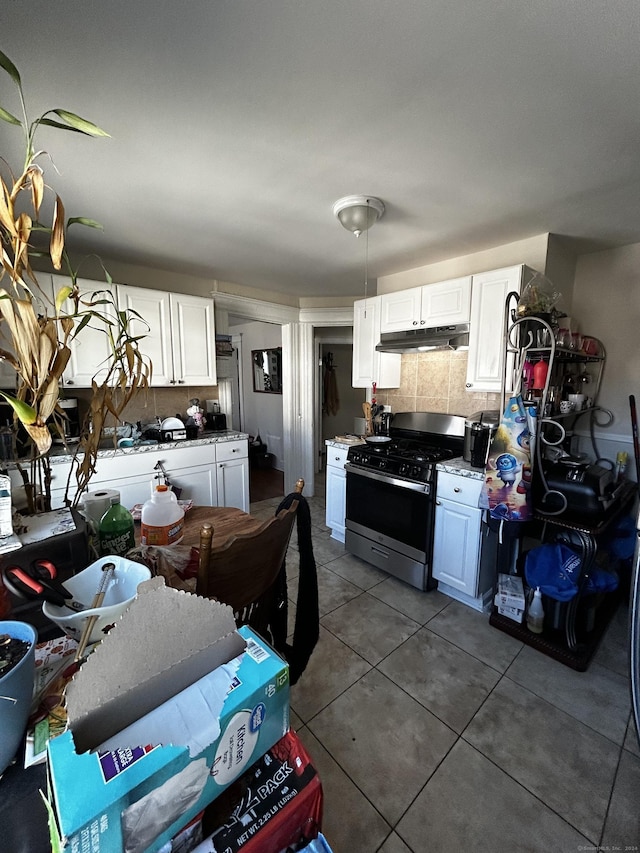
{"points": [[227, 522]]}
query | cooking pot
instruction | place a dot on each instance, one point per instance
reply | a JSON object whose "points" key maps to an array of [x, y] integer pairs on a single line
{"points": [[377, 440], [479, 430], [588, 490]]}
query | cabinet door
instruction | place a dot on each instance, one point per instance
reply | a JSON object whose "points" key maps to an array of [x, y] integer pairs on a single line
{"points": [[193, 339], [370, 366], [154, 322], [91, 348], [198, 484], [233, 483], [336, 495], [456, 545], [400, 311], [446, 302], [485, 365]]}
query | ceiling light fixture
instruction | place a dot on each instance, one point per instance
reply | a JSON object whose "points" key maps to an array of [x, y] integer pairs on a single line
{"points": [[357, 213]]}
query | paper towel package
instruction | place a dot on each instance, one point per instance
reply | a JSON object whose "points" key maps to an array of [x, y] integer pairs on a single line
{"points": [[169, 709]]}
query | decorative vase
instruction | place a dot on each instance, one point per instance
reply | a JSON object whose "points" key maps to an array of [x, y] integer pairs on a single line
{"points": [[16, 691]]}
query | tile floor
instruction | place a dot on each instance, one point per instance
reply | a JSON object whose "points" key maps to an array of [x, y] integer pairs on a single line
{"points": [[433, 731]]}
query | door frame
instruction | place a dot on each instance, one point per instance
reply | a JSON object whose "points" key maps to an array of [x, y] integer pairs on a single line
{"points": [[299, 395]]}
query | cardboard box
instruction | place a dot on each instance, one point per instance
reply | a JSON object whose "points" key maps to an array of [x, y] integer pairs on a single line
{"points": [[513, 613], [275, 805], [167, 711], [510, 592]]}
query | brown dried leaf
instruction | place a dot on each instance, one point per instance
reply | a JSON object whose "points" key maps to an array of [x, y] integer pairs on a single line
{"points": [[56, 246], [41, 437]]}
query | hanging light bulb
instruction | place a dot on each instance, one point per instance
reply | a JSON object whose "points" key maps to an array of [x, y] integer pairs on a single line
{"points": [[357, 213]]}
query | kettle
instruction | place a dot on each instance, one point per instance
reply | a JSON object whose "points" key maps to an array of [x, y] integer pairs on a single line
{"points": [[479, 430]]}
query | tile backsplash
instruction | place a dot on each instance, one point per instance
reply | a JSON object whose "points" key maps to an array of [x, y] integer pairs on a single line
{"points": [[435, 382], [161, 402]]}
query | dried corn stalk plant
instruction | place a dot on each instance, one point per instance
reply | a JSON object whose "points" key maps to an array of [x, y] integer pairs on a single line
{"points": [[38, 327]]}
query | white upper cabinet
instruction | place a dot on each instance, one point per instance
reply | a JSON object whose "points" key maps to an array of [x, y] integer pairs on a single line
{"points": [[91, 350], [180, 334], [370, 366], [485, 364], [443, 303]]}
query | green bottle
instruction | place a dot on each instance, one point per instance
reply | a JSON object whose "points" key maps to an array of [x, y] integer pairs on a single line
{"points": [[116, 531]]}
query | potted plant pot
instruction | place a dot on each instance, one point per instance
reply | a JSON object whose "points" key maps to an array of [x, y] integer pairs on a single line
{"points": [[16, 691]]}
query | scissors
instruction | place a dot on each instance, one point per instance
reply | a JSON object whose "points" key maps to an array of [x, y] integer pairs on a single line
{"points": [[39, 581]]}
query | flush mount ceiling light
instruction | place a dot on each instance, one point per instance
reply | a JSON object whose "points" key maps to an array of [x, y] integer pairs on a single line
{"points": [[357, 213]]}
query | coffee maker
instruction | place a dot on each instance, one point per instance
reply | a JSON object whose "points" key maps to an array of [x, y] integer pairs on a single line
{"points": [[479, 429]]}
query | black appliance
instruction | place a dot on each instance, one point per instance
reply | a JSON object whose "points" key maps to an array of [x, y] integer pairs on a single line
{"points": [[574, 489], [479, 430], [216, 421], [391, 494]]}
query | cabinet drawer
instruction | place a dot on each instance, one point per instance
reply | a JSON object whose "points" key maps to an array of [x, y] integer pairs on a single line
{"points": [[336, 456], [227, 450], [464, 490]]}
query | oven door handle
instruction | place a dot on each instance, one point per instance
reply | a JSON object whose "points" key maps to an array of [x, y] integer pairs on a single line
{"points": [[385, 478]]}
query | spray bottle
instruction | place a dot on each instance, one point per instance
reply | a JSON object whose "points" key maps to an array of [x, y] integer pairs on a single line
{"points": [[535, 613]]}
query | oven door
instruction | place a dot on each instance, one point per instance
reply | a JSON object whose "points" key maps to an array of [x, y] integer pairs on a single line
{"points": [[389, 523]]}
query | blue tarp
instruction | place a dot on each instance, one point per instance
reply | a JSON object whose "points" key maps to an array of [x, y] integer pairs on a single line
{"points": [[556, 570]]}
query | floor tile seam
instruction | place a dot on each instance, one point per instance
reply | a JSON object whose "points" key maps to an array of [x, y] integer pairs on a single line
{"points": [[529, 791], [414, 698], [333, 699], [613, 785], [564, 711], [353, 782], [471, 654], [341, 640]]}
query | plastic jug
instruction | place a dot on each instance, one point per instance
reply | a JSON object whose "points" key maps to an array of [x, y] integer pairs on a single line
{"points": [[162, 518]]}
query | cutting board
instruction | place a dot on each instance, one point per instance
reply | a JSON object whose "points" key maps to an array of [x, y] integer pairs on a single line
{"points": [[366, 409]]}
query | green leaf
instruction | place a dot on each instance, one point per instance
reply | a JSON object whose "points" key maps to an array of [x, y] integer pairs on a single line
{"points": [[51, 123], [26, 413], [10, 68], [79, 123], [82, 220], [11, 119]]}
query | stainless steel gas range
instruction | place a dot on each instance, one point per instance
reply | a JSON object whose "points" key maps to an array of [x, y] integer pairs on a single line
{"points": [[391, 494]]}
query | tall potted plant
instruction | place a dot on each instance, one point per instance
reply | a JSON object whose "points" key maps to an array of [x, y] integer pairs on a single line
{"points": [[39, 326]]}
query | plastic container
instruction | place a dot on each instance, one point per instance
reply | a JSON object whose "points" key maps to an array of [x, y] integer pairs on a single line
{"points": [[16, 688], [540, 370], [535, 613], [162, 518], [118, 596], [116, 533]]}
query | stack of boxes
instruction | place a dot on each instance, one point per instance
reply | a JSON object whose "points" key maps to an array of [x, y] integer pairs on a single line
{"points": [[169, 710]]}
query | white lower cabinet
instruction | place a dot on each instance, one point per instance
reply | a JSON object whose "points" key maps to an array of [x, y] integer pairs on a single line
{"points": [[232, 474], [336, 491], [214, 474], [457, 546]]}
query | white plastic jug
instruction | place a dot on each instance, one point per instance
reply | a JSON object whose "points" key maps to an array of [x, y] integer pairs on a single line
{"points": [[162, 518]]}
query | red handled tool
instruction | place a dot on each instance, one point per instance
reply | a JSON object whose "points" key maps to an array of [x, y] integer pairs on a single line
{"points": [[39, 581]]}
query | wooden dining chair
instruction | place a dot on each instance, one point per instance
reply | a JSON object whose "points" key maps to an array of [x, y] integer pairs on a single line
{"points": [[242, 572]]}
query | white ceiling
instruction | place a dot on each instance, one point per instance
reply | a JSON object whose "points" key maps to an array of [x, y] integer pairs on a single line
{"points": [[236, 124]]}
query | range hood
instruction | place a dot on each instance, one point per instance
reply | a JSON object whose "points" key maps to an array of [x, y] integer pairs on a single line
{"points": [[423, 340]]}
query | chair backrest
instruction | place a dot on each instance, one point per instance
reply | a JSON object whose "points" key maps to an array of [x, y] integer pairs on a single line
{"points": [[242, 572]]}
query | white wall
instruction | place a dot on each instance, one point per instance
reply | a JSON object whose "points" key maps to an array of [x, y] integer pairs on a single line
{"points": [[262, 412], [606, 302]]}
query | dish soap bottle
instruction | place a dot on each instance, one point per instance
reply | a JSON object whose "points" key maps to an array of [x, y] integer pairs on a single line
{"points": [[535, 613], [116, 531]]}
